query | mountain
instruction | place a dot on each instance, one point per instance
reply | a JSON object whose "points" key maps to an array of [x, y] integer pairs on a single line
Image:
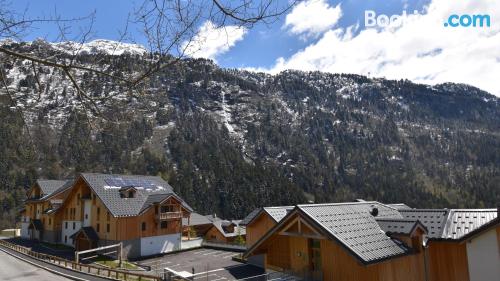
{"points": [[230, 140]]}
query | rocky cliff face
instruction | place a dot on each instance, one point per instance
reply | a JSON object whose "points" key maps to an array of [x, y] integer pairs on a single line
{"points": [[230, 140]]}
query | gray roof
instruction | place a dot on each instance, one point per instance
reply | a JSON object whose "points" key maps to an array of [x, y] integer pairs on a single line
{"points": [[399, 206], [451, 224], [433, 219], [150, 190], [276, 213], [250, 216], [50, 187], [196, 219], [354, 227], [89, 232], [238, 230], [398, 226], [462, 222]]}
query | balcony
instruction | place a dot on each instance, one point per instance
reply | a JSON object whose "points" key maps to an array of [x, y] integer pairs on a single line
{"points": [[169, 216]]}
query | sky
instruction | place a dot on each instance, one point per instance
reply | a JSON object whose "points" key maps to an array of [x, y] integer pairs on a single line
{"points": [[330, 36]]}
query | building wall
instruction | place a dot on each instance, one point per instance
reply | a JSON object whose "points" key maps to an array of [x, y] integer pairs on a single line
{"points": [[160, 244], [447, 261], [214, 235], [338, 264], [68, 230], [483, 257], [278, 252], [258, 228]]}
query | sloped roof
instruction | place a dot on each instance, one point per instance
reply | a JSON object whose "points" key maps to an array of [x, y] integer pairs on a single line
{"points": [[89, 233], [196, 219], [37, 224], [52, 187], [355, 228], [276, 213], [150, 190], [433, 219], [238, 230], [462, 222], [399, 206], [398, 226]]}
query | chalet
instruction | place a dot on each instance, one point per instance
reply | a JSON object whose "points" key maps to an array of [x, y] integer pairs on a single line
{"points": [[374, 241], [261, 220], [141, 212], [196, 223], [344, 241], [38, 218], [461, 244], [225, 231]]}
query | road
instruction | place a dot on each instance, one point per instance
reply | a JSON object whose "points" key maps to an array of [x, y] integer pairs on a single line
{"points": [[15, 269]]}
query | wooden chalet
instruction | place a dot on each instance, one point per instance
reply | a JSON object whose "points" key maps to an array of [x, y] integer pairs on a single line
{"points": [[462, 244], [38, 218], [142, 212], [374, 241], [225, 231], [261, 220]]}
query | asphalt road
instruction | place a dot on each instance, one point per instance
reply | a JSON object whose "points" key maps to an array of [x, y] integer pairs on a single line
{"points": [[14, 269]]}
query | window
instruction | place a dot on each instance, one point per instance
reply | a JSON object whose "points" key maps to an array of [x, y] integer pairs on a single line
{"points": [[108, 216], [86, 216], [107, 228], [66, 225], [163, 224], [65, 239], [74, 225], [78, 199], [98, 228], [98, 212], [156, 210], [50, 221], [93, 199], [143, 226]]}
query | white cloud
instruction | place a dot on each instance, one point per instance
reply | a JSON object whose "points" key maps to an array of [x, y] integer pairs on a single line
{"points": [[211, 41], [422, 50], [312, 17]]}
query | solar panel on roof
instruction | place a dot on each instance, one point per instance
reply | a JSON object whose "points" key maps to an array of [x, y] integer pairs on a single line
{"points": [[121, 182]]}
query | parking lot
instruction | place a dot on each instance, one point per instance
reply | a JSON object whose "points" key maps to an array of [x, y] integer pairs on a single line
{"points": [[208, 264]]}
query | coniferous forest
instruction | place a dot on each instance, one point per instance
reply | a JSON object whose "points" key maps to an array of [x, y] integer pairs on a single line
{"points": [[230, 140]]}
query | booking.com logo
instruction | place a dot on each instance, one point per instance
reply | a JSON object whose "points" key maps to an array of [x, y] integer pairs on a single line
{"points": [[467, 20], [454, 20]]}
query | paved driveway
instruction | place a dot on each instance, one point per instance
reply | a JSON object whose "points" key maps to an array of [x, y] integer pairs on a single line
{"points": [[208, 264]]}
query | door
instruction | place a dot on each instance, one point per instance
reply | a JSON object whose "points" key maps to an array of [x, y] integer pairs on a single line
{"points": [[315, 260]]}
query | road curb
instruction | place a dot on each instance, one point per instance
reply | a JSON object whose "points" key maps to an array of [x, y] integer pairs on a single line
{"points": [[44, 267]]}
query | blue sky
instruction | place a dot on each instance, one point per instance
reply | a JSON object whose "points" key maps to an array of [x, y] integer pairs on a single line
{"points": [[421, 50], [262, 45]]}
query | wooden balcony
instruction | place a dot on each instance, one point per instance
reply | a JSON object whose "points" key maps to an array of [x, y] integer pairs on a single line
{"points": [[169, 216]]}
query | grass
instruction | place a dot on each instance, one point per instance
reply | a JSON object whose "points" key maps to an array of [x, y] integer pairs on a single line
{"points": [[111, 263]]}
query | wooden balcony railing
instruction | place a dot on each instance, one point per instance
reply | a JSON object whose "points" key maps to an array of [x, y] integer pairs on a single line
{"points": [[170, 216]]}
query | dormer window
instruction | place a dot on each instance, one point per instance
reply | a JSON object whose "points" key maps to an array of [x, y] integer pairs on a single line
{"points": [[127, 192]]}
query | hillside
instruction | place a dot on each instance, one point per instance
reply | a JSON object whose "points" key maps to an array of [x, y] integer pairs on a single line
{"points": [[231, 140]]}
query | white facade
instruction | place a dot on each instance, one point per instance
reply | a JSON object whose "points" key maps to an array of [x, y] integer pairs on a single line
{"points": [[25, 223], [160, 244], [483, 254], [68, 229], [87, 212]]}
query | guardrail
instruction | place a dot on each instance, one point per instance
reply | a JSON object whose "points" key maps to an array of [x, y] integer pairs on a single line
{"points": [[109, 273]]}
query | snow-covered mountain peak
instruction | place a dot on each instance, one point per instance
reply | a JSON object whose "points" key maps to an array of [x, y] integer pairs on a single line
{"points": [[100, 46]]}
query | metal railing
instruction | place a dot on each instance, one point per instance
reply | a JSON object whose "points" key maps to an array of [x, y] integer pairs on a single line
{"points": [[83, 268]]}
